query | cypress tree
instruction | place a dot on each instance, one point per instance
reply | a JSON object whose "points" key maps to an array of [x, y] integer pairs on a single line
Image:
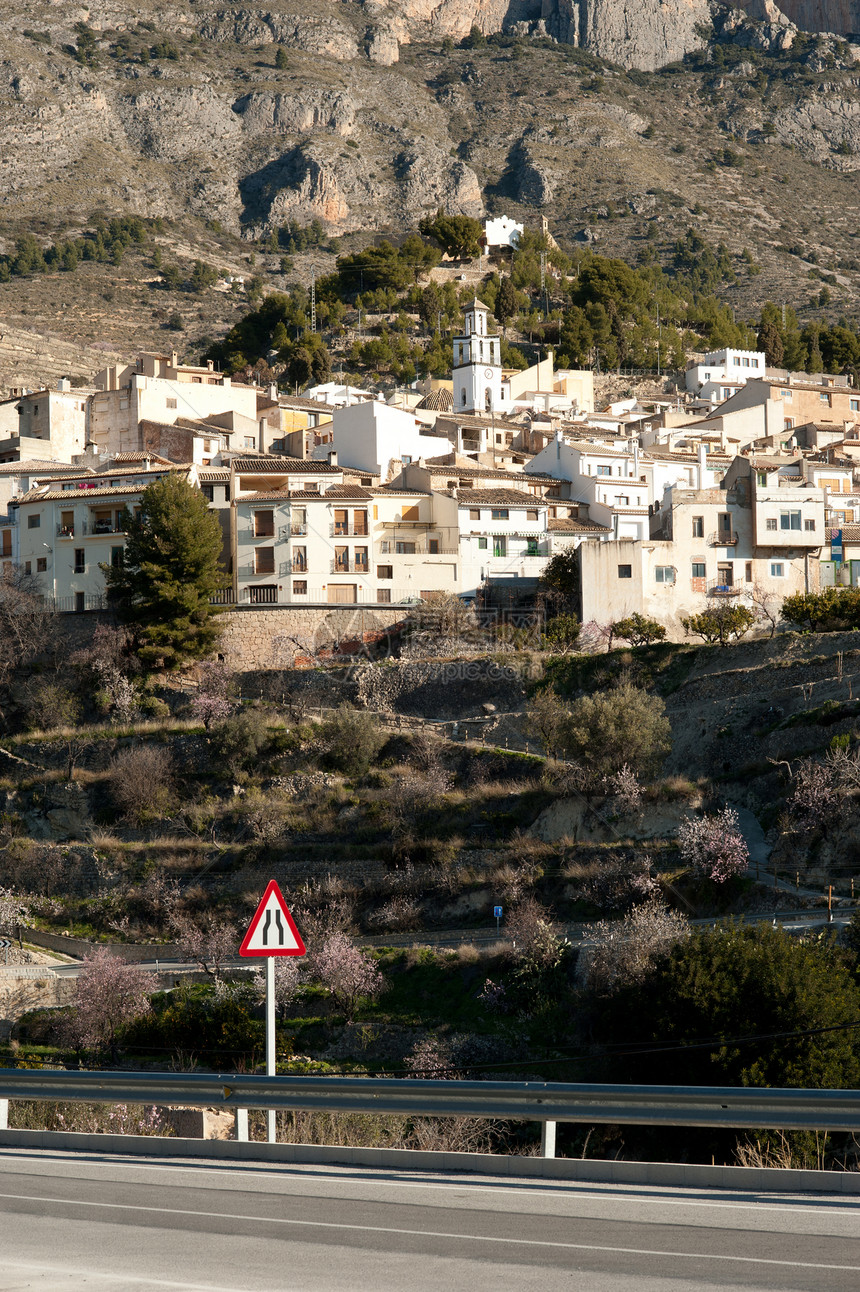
{"points": [[171, 569]]}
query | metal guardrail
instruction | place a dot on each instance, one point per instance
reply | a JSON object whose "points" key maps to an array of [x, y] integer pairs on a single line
{"points": [[706, 1106]]}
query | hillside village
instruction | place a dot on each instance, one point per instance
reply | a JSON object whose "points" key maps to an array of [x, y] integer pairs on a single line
{"points": [[736, 485]]}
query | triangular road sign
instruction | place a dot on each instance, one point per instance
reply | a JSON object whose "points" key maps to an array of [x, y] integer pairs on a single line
{"points": [[272, 932]]}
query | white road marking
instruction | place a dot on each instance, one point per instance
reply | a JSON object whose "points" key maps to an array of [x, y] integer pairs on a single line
{"points": [[614, 1190], [430, 1233]]}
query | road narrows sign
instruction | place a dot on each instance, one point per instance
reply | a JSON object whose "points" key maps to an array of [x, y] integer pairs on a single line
{"points": [[272, 931]]}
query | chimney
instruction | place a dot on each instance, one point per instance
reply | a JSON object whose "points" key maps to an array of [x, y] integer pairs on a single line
{"points": [[174, 358], [210, 365], [636, 459], [273, 392], [64, 384], [701, 461], [332, 457]]}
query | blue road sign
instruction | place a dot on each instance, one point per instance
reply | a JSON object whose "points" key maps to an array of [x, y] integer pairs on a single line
{"points": [[497, 911]]}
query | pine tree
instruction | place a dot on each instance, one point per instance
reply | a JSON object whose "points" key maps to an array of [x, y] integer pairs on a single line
{"points": [[171, 570]]}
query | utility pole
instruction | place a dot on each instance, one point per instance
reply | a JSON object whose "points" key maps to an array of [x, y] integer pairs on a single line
{"points": [[313, 298], [659, 340], [543, 282]]}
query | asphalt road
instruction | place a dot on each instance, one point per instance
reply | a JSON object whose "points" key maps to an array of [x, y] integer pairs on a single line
{"points": [[86, 1222]]}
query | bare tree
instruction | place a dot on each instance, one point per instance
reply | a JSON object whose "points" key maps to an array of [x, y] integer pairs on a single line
{"points": [[141, 781], [13, 910], [548, 719], [766, 606], [28, 625]]}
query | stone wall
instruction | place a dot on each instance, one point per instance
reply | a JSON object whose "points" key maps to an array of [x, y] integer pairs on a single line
{"points": [[271, 637]]}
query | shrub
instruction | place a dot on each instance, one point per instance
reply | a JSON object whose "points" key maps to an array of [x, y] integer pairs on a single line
{"points": [[352, 741], [638, 630], [239, 739], [623, 726], [141, 781], [719, 624], [562, 633], [830, 610]]}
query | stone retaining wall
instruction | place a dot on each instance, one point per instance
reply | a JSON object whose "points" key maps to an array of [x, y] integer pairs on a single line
{"points": [[272, 637]]}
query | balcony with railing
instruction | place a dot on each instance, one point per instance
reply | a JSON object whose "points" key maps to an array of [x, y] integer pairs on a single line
{"points": [[341, 530], [265, 595], [98, 528], [292, 567], [65, 531], [296, 529], [349, 567], [723, 538], [718, 588]]}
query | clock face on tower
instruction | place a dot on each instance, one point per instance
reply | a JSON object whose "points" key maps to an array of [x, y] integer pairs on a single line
{"points": [[488, 372]]}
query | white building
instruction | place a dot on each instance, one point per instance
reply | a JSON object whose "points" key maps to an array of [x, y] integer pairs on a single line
{"points": [[51, 424], [377, 438], [502, 231], [720, 375], [161, 392], [69, 527]]}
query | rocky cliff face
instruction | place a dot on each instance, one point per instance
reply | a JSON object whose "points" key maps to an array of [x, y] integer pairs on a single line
{"points": [[363, 117]]}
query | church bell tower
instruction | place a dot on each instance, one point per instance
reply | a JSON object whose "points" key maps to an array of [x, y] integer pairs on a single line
{"points": [[477, 368]]}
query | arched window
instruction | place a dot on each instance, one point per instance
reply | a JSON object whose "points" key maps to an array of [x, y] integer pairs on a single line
{"points": [[488, 399]]}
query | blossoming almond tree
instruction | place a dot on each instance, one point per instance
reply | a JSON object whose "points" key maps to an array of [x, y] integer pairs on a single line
{"points": [[714, 845]]}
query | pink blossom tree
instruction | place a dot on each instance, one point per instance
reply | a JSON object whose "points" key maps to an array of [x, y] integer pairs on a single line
{"points": [[714, 846], [208, 942], [109, 994], [212, 703], [348, 972]]}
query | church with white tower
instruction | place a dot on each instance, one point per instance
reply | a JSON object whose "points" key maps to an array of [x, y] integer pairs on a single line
{"points": [[477, 365]]}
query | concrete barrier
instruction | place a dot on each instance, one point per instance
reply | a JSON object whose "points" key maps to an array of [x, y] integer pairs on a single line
{"points": [[571, 1170]]}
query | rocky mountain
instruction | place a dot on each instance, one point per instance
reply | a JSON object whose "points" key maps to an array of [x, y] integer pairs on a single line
{"points": [[228, 121]]}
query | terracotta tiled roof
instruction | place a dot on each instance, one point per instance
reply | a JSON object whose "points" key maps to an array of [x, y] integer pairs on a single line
{"points": [[500, 498], [336, 494], [33, 466], [79, 495], [577, 527], [491, 473], [276, 465], [308, 405], [141, 457], [210, 475], [440, 400]]}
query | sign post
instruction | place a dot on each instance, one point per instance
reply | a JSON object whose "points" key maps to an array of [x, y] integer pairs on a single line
{"points": [[272, 932], [497, 911]]}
